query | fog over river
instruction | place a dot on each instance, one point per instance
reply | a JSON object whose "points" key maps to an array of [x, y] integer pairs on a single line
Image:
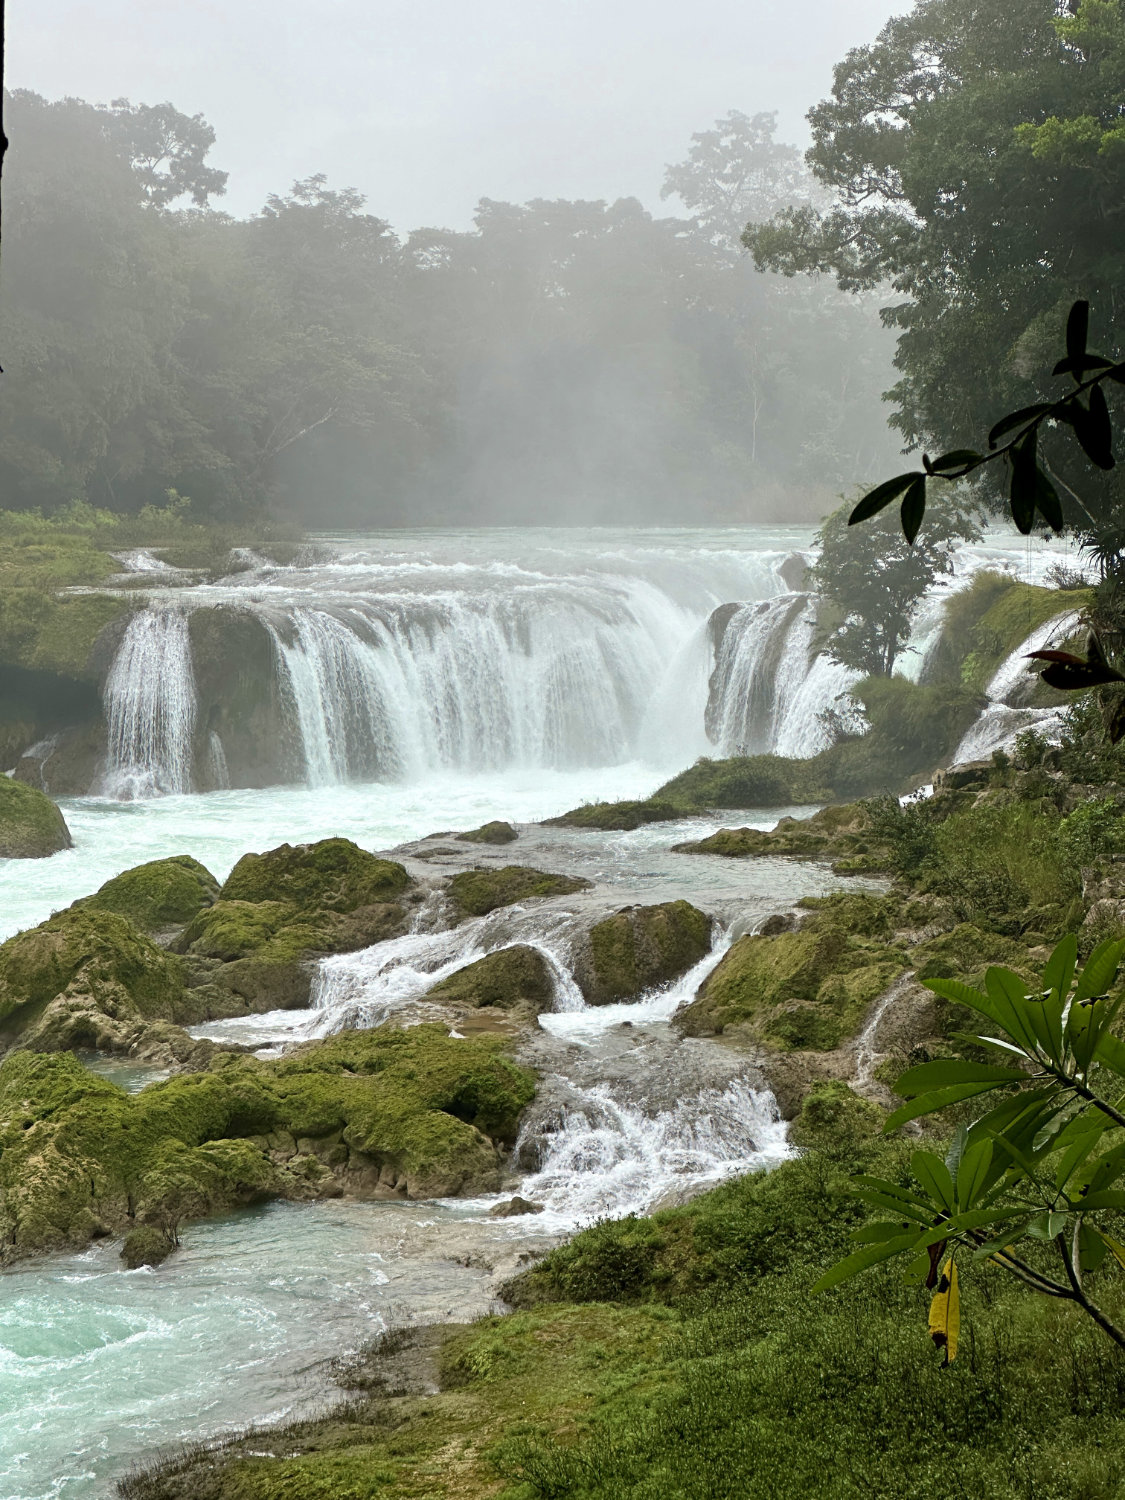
{"points": [[421, 682]]}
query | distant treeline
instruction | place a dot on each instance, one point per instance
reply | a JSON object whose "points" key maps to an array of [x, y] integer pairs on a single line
{"points": [[562, 361]]}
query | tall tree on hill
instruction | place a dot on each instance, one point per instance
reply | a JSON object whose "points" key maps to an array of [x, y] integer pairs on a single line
{"points": [[975, 153]]}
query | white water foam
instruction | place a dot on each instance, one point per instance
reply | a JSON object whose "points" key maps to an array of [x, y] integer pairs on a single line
{"points": [[1005, 718], [150, 707]]}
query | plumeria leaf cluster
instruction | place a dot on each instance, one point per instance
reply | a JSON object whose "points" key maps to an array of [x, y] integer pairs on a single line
{"points": [[1035, 1185]]}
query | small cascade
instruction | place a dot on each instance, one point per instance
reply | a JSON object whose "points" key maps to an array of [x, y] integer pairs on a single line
{"points": [[769, 690], [600, 1155], [150, 707], [1008, 714], [217, 757]]}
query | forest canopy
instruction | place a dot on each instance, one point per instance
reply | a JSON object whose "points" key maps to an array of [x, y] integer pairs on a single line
{"points": [[583, 360]]}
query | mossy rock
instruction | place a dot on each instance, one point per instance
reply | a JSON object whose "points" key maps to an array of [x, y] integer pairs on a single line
{"points": [[966, 953], [332, 875], [477, 892], [639, 948], [517, 978], [84, 962], [618, 817], [160, 894], [804, 989], [745, 781], [31, 826], [830, 833], [496, 832], [146, 1246], [834, 1117], [378, 1114]]}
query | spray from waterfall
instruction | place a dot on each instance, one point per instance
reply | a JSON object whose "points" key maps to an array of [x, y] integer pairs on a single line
{"points": [[150, 707]]}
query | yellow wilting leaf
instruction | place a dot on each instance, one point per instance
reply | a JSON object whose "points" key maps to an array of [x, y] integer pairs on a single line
{"points": [[945, 1313], [1117, 1250]]}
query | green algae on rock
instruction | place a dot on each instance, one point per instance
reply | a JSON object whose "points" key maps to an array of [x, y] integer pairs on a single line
{"points": [[518, 978], [638, 948], [477, 892], [160, 894], [250, 949], [31, 826], [330, 875], [496, 832], [376, 1114], [806, 989], [613, 817], [85, 978]]}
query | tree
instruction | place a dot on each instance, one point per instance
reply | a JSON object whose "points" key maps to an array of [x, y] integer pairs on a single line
{"points": [[1043, 1167], [876, 579], [166, 149], [974, 151]]}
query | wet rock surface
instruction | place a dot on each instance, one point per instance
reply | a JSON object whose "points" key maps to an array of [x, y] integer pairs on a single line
{"points": [[31, 826]]}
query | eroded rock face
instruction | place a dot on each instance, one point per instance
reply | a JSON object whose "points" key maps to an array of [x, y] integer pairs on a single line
{"points": [[376, 1114], [31, 826], [638, 948], [239, 701], [85, 979]]}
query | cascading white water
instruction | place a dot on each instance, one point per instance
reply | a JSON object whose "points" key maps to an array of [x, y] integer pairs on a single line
{"points": [[1006, 717], [602, 1156], [770, 690], [150, 707]]}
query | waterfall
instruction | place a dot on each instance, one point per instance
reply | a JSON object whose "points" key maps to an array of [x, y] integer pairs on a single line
{"points": [[1007, 717], [769, 691], [600, 1155], [150, 707]]}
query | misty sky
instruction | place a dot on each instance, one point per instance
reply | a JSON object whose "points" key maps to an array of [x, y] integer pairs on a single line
{"points": [[428, 105]]}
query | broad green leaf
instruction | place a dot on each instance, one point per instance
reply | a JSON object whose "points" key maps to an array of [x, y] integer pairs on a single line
{"points": [[862, 1260], [960, 458], [951, 1070], [881, 496], [1116, 1249], [1111, 1198], [1077, 329], [962, 994], [1021, 1018], [928, 1104], [877, 1234], [1110, 1052], [934, 1176], [972, 1173], [1092, 1248], [913, 508], [1022, 486], [1100, 971], [1047, 500], [1016, 419]]}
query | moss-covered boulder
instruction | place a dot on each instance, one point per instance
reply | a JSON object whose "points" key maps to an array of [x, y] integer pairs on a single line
{"points": [[618, 817], [331, 875], [160, 894], [807, 989], [252, 949], [840, 833], [496, 832], [31, 826], [85, 979], [638, 948], [375, 1114], [474, 893], [513, 979]]}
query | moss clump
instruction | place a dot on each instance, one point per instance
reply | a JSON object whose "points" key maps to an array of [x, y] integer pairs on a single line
{"points": [[746, 781], [332, 875], [280, 909], [640, 947], [985, 622], [496, 832], [833, 1115], [516, 978], [162, 893], [618, 817], [146, 1246], [477, 892], [805, 989], [378, 1114], [31, 826], [55, 634], [81, 974]]}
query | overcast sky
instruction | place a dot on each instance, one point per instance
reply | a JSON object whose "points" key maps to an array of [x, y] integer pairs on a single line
{"points": [[428, 105]]}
